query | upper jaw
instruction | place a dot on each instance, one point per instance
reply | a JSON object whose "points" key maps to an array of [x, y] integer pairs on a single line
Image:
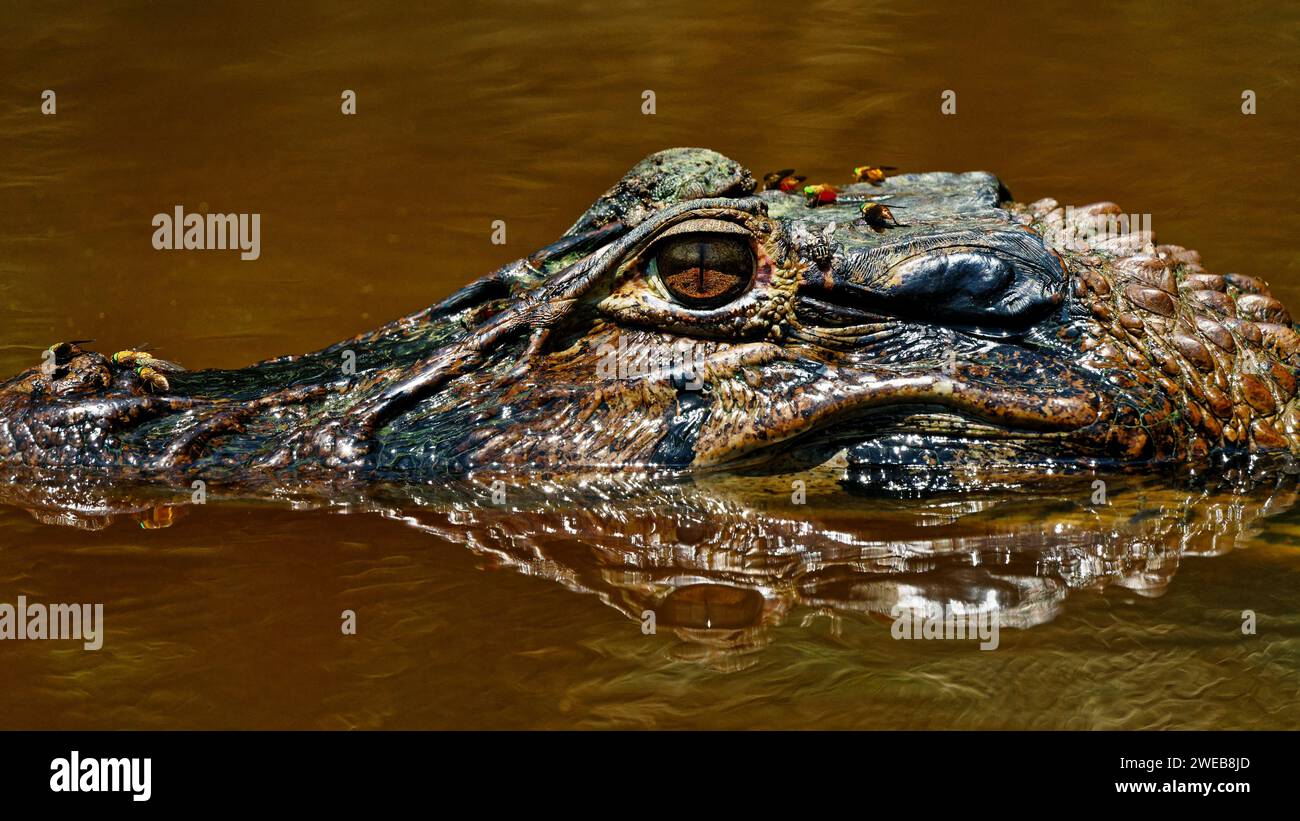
{"points": [[1028, 395]]}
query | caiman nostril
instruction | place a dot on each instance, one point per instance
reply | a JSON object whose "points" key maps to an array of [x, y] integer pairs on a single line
{"points": [[969, 278], [973, 286], [993, 279]]}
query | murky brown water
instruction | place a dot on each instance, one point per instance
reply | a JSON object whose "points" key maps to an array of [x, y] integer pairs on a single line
{"points": [[230, 618]]}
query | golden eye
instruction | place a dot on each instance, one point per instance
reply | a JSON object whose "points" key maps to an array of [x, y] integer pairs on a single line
{"points": [[704, 270]]}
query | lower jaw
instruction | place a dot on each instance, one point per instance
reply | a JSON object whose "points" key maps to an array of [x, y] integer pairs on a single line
{"points": [[913, 482], [928, 450], [914, 465]]}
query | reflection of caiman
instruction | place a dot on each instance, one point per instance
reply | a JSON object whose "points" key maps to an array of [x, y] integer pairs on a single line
{"points": [[794, 336], [721, 561]]}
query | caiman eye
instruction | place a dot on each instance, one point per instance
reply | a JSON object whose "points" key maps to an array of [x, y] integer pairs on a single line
{"points": [[704, 270]]}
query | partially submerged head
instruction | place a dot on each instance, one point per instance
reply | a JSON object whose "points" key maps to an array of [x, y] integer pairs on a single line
{"points": [[688, 321]]}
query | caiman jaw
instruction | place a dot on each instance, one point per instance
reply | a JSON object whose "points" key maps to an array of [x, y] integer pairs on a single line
{"points": [[848, 398]]}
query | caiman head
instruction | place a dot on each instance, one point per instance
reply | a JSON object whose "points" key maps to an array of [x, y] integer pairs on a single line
{"points": [[690, 321]]}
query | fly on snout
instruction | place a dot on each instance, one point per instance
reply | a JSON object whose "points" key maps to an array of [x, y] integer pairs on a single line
{"points": [[139, 359], [149, 369], [874, 174], [784, 180], [58, 355], [879, 216]]}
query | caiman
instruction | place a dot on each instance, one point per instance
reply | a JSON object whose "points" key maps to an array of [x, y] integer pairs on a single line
{"points": [[694, 319]]}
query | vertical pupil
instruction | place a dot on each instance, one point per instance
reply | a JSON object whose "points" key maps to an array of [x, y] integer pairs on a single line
{"points": [[705, 271], [700, 249]]}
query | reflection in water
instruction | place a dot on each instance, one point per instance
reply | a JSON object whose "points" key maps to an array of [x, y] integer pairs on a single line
{"points": [[721, 560]]}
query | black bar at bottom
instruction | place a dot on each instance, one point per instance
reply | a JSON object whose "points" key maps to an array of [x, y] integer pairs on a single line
{"points": [[204, 770]]}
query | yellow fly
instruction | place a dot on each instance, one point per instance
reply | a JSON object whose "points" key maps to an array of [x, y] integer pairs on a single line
{"points": [[874, 174], [136, 359], [153, 379], [878, 215]]}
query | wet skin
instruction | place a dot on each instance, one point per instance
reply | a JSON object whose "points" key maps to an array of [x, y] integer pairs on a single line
{"points": [[955, 343]]}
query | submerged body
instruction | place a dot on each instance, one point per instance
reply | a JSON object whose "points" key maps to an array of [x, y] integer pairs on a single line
{"points": [[690, 322]]}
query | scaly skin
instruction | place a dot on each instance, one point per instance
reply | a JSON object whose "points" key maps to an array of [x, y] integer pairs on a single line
{"points": [[956, 342]]}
